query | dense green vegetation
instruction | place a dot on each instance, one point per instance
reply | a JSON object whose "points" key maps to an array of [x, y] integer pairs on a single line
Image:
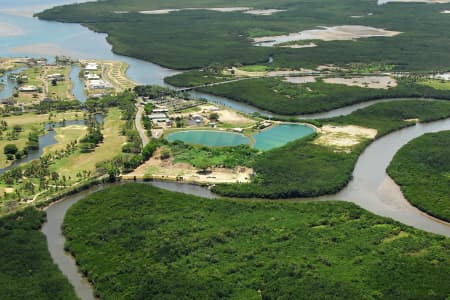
{"points": [[26, 269], [390, 116], [155, 244], [278, 96], [196, 78], [198, 38], [422, 169], [227, 157], [299, 169], [304, 169]]}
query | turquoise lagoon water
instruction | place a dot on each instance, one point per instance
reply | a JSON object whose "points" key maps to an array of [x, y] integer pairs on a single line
{"points": [[280, 135], [271, 138], [209, 138]]}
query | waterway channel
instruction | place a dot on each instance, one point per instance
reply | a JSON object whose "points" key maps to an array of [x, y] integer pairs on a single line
{"points": [[370, 188], [45, 140]]}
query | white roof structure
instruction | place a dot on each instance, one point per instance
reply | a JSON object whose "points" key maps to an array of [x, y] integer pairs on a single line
{"points": [[91, 67]]}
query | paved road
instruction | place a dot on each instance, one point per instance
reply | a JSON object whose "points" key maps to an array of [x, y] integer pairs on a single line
{"points": [[137, 121]]}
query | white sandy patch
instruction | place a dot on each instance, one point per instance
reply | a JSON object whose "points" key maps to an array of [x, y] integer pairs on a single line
{"points": [[218, 9], [336, 33], [414, 1], [300, 80], [415, 120], [242, 73], [158, 11], [298, 46], [372, 82], [9, 190], [445, 12], [264, 12], [120, 12], [226, 9], [226, 115], [7, 29], [343, 138], [356, 17]]}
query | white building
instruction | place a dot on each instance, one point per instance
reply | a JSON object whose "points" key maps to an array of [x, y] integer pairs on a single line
{"points": [[91, 66], [98, 84]]}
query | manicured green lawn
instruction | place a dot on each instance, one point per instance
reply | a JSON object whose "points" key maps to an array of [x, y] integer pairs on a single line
{"points": [[422, 169], [138, 242], [26, 268]]}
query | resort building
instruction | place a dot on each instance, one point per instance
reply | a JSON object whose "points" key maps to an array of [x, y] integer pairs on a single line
{"points": [[158, 118], [28, 89], [91, 67]]}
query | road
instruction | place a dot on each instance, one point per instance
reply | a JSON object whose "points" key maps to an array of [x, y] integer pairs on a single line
{"points": [[137, 121]]}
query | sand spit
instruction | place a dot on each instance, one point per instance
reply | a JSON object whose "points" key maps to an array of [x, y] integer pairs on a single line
{"points": [[445, 12], [371, 82], [300, 80], [7, 29], [336, 33]]}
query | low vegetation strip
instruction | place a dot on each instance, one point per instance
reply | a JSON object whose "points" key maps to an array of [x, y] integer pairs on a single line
{"points": [[26, 269], [305, 169], [422, 169], [139, 242]]}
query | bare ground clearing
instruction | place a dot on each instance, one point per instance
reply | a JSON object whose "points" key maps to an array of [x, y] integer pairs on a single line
{"points": [[372, 82], [157, 168], [343, 138], [336, 33], [300, 80]]}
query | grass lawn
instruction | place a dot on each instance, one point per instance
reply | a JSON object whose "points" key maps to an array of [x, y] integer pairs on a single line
{"points": [[63, 89], [254, 68], [437, 84], [65, 135], [139, 242], [111, 146], [29, 123]]}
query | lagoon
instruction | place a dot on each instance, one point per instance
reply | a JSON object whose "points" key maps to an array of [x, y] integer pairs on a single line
{"points": [[209, 138], [280, 135]]}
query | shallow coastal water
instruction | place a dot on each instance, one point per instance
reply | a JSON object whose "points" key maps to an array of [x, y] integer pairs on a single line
{"points": [[209, 138], [47, 39], [280, 135]]}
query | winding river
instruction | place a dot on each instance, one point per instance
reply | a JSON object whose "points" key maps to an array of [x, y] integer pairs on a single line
{"points": [[371, 188]]}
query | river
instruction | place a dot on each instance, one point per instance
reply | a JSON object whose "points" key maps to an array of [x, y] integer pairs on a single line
{"points": [[371, 188]]}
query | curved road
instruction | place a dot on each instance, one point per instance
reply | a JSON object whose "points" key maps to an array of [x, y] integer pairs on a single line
{"points": [[137, 121]]}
